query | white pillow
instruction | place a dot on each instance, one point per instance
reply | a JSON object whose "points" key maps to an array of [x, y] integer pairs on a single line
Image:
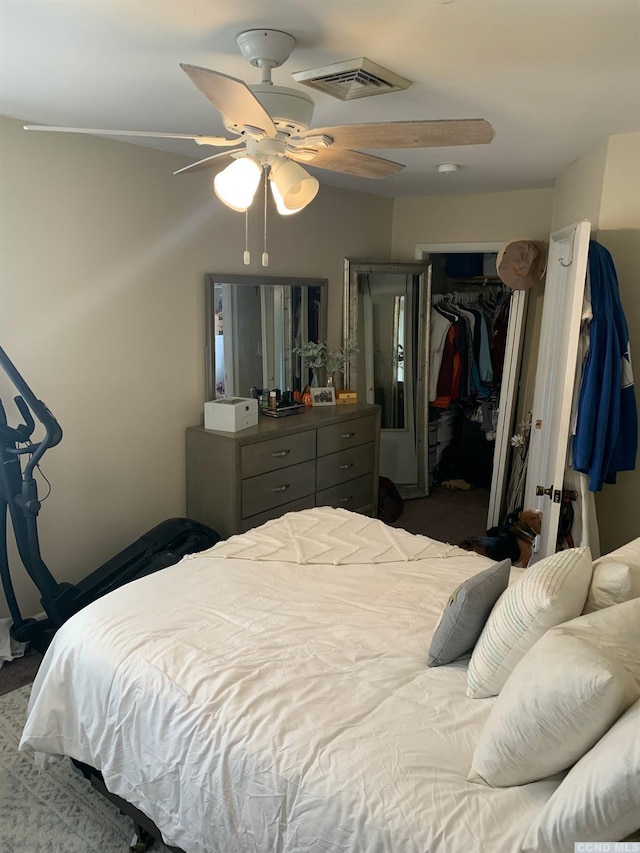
{"points": [[616, 577], [561, 698], [613, 582], [599, 799], [614, 630], [550, 592], [628, 554]]}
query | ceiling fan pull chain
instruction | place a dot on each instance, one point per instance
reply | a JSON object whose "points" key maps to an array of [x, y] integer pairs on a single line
{"points": [[265, 254], [247, 254]]}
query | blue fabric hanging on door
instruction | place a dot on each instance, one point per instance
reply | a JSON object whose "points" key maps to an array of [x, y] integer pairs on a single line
{"points": [[606, 439]]}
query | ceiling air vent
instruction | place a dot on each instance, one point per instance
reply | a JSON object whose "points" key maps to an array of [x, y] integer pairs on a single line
{"points": [[353, 78]]}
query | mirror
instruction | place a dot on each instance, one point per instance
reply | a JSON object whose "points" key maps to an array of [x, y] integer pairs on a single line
{"points": [[253, 325], [386, 316]]}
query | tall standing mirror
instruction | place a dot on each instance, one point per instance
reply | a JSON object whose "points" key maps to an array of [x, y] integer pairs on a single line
{"points": [[253, 325], [386, 311]]}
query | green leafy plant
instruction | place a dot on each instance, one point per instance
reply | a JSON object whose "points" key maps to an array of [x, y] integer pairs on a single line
{"points": [[318, 355], [336, 359], [313, 354]]}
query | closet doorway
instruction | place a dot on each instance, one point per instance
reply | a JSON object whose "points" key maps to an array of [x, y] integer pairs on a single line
{"points": [[477, 329]]}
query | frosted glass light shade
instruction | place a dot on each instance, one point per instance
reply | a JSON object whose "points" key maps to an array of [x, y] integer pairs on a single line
{"points": [[275, 192], [292, 187], [236, 185]]}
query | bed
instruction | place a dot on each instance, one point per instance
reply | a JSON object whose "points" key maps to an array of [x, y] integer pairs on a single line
{"points": [[272, 694]]}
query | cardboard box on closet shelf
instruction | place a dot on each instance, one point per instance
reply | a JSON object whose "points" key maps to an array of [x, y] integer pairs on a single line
{"points": [[346, 397]]}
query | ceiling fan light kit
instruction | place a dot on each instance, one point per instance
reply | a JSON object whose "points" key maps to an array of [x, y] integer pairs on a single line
{"points": [[448, 168], [271, 127], [292, 187], [236, 185]]}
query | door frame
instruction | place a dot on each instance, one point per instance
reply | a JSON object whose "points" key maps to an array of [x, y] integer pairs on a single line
{"points": [[510, 372]]}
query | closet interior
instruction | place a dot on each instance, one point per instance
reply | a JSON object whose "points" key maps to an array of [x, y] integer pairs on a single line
{"points": [[469, 316]]}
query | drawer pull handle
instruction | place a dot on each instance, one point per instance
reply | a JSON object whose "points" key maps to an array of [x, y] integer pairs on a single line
{"points": [[347, 435], [280, 488], [345, 467], [281, 453], [345, 500]]}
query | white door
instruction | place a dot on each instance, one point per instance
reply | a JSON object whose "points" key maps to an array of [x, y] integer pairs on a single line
{"points": [[555, 377]]}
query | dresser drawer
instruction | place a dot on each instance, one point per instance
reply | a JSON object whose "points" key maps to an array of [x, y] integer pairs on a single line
{"points": [[354, 495], [256, 520], [345, 465], [346, 434], [262, 493], [278, 453]]}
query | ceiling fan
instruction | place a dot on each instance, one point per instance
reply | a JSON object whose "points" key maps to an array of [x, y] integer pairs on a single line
{"points": [[272, 124]]}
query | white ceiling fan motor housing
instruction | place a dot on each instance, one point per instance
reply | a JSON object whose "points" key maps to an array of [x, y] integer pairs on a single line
{"points": [[290, 110]]}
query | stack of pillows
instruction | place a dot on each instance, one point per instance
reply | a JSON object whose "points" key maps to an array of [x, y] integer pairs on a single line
{"points": [[560, 649]]}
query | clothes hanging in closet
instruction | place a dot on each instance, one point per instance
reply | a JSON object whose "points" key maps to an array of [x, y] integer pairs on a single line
{"points": [[468, 336]]}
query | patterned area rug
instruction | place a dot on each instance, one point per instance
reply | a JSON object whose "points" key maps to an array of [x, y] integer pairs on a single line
{"points": [[55, 810]]}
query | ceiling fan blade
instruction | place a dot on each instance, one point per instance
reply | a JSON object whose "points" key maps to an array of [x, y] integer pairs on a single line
{"points": [[200, 139], [408, 134], [349, 162], [231, 97], [206, 163]]}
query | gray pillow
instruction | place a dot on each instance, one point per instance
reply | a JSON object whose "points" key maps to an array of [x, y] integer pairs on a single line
{"points": [[466, 612]]}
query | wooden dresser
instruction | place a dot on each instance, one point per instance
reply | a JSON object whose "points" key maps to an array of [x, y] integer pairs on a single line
{"points": [[325, 456]]}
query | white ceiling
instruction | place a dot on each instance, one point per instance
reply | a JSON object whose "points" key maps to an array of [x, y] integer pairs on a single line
{"points": [[553, 77]]}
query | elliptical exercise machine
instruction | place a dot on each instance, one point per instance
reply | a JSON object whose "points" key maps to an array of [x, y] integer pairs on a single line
{"points": [[159, 547]]}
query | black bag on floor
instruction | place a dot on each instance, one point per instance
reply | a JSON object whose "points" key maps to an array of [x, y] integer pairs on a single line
{"points": [[390, 504]]}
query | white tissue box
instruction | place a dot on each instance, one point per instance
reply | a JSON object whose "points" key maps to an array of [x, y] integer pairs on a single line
{"points": [[231, 414]]}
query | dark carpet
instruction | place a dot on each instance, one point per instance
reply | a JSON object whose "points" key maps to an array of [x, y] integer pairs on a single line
{"points": [[16, 673], [447, 515]]}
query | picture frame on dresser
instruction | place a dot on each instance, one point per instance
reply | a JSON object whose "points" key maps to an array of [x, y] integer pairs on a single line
{"points": [[323, 396]]}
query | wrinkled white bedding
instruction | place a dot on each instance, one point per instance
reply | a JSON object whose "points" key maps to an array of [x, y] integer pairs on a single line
{"points": [[283, 704]]}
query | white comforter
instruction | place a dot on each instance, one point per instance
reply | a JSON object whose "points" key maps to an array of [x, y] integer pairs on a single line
{"points": [[272, 694]]}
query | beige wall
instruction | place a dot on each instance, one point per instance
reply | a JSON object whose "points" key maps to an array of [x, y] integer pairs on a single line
{"points": [[578, 190], [102, 259], [618, 506], [490, 218]]}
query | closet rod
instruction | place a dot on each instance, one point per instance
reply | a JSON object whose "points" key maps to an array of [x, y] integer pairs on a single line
{"points": [[467, 296], [481, 280]]}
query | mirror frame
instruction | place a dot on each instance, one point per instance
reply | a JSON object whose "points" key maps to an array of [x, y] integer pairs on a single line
{"points": [[352, 269], [211, 279]]}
